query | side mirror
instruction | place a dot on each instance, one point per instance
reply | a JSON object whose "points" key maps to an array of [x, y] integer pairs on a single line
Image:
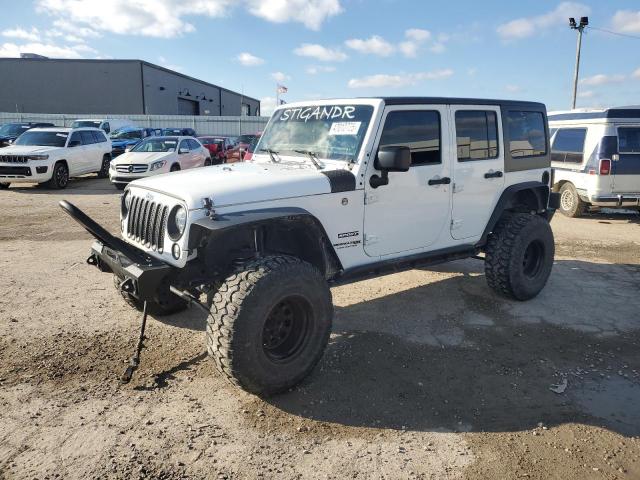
{"points": [[183, 150], [128, 149], [390, 159], [74, 143]]}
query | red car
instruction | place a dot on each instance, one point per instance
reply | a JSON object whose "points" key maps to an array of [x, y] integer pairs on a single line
{"points": [[218, 147], [239, 150]]}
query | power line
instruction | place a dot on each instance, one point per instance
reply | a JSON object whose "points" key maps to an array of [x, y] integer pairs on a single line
{"points": [[614, 33]]}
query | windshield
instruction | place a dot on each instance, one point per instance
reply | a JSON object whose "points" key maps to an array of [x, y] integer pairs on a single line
{"points": [[154, 145], [333, 132], [126, 135], [86, 123], [13, 129], [42, 139]]}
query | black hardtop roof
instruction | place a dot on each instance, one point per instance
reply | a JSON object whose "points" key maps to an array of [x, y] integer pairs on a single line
{"points": [[458, 101]]}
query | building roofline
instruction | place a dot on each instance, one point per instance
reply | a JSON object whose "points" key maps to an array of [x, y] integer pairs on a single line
{"points": [[129, 60]]}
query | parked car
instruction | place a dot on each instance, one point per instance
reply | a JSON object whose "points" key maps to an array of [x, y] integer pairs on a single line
{"points": [[362, 187], [127, 137], [10, 131], [179, 132], [155, 155], [595, 155], [217, 147], [53, 155], [248, 155], [237, 153], [107, 124]]}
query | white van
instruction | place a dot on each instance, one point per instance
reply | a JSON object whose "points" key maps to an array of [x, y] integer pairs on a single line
{"points": [[107, 124], [595, 156]]}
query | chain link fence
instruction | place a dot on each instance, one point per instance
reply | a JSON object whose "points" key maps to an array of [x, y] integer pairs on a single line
{"points": [[203, 125]]}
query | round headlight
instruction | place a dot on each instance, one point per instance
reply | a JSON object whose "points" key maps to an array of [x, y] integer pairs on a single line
{"points": [[177, 222]]}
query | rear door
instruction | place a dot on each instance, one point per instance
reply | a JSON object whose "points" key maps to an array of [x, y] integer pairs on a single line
{"points": [[478, 168], [626, 169]]}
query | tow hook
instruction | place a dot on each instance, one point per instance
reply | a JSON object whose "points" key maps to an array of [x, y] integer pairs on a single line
{"points": [[128, 286], [92, 260]]}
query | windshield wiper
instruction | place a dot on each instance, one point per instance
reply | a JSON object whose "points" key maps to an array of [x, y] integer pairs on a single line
{"points": [[312, 156], [272, 154]]}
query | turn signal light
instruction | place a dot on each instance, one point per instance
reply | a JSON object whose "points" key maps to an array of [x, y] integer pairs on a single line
{"points": [[605, 166]]}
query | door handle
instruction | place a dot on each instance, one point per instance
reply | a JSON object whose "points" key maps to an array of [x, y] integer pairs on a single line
{"points": [[440, 181], [497, 174]]}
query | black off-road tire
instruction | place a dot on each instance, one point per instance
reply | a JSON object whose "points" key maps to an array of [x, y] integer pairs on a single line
{"points": [[270, 323], [570, 203], [165, 303], [104, 169], [4, 186], [519, 256], [120, 186], [59, 176]]}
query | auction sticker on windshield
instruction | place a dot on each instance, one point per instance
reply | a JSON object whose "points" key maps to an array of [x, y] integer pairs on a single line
{"points": [[345, 128]]}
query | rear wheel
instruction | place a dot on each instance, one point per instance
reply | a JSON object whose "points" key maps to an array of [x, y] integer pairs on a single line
{"points": [[60, 176], [570, 203], [519, 256], [4, 186], [207, 162], [104, 169], [270, 323], [120, 186]]}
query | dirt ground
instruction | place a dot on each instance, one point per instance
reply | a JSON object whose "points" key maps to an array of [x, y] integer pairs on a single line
{"points": [[428, 374]]}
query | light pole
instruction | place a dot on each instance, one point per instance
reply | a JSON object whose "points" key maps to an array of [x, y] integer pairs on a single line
{"points": [[584, 21]]}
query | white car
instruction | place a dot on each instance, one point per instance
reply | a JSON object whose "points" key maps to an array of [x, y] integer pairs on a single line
{"points": [[107, 124], [53, 155], [157, 155]]}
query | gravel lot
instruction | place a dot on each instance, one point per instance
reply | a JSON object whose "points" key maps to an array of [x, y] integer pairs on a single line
{"points": [[428, 374]]}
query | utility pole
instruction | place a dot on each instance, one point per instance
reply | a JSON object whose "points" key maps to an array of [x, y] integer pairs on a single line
{"points": [[584, 21]]}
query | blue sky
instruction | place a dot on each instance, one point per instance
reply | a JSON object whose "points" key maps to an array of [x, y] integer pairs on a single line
{"points": [[332, 48]]}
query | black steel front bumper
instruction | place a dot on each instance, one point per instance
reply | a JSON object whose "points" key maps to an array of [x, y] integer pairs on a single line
{"points": [[140, 274]]}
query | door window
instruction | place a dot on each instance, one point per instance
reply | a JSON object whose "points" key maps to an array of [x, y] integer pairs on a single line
{"points": [[184, 145], [629, 139], [193, 145], [568, 145], [476, 135], [87, 138], [418, 130], [75, 137]]}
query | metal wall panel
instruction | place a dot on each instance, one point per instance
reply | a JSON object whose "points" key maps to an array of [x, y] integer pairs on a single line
{"points": [[204, 125]]}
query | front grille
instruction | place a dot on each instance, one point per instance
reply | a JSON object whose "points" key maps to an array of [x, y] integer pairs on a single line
{"points": [[14, 158], [16, 171], [133, 168], [147, 222]]}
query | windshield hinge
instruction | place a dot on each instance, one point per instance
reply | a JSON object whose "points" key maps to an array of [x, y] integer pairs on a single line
{"points": [[369, 198]]}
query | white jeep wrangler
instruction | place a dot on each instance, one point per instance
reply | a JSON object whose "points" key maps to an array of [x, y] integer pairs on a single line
{"points": [[337, 190]]}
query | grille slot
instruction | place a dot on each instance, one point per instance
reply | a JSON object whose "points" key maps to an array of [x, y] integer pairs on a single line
{"points": [[146, 223], [133, 168], [14, 158]]}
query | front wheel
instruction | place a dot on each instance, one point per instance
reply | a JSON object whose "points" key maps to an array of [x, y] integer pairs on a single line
{"points": [[570, 203], [270, 323], [519, 256], [60, 176], [104, 168], [4, 186], [120, 186]]}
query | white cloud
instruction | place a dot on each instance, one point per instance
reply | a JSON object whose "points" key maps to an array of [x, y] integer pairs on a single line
{"points": [[72, 28], [267, 106], [316, 69], [415, 38], [526, 27], [48, 50], [396, 81], [636, 74], [320, 53], [248, 60], [169, 18], [375, 45], [626, 21], [602, 79], [586, 94], [417, 34], [280, 77], [513, 88], [311, 13], [437, 48], [21, 34]]}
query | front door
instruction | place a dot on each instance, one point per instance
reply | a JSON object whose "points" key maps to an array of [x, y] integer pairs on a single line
{"points": [[478, 168], [411, 212]]}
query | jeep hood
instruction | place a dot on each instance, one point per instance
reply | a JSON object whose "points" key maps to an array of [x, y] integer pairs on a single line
{"points": [[27, 150], [239, 183]]}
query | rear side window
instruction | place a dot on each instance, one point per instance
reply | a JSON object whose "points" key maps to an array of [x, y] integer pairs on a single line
{"points": [[418, 130], [628, 139], [526, 134], [87, 138], [193, 144], [568, 145], [476, 135]]}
